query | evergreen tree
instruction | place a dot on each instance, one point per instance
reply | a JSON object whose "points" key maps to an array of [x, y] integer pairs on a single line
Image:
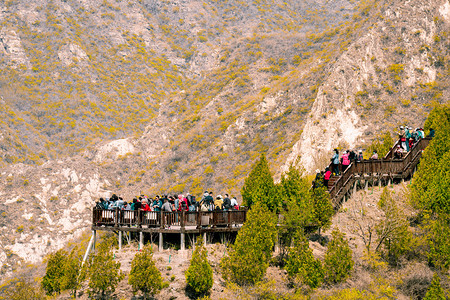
{"points": [[301, 263], [199, 275], [297, 205], [338, 261], [72, 278], [104, 273], [393, 230], [259, 187], [435, 292], [144, 275], [431, 187], [248, 258], [52, 280], [322, 207]]}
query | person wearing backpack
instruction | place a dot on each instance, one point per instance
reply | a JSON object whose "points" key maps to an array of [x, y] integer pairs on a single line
{"points": [[226, 203]]}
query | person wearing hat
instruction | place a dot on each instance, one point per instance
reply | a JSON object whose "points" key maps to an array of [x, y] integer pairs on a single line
{"points": [[401, 137], [398, 152]]}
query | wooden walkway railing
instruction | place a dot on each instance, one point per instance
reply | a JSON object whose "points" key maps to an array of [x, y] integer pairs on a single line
{"points": [[387, 167], [154, 219]]}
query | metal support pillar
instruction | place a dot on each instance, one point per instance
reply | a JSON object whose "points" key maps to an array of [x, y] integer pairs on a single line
{"points": [[94, 234], [141, 240], [160, 245], [182, 243], [204, 239], [120, 240]]}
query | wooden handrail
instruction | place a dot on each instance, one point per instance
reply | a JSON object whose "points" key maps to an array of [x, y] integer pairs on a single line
{"points": [[154, 219]]}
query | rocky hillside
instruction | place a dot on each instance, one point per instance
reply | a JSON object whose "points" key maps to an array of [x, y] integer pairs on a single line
{"points": [[182, 96]]}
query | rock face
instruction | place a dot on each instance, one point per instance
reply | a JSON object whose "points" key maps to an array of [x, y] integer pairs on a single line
{"points": [[184, 96]]}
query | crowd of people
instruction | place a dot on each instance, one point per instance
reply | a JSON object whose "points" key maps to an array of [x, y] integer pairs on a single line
{"points": [[171, 203], [407, 136]]}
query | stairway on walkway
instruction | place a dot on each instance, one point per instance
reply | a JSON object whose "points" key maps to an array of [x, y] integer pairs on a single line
{"points": [[386, 169]]}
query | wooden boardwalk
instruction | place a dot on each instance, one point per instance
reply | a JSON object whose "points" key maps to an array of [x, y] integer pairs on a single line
{"points": [[379, 171], [357, 174]]}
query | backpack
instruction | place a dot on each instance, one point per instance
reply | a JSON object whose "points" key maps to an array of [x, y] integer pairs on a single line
{"points": [[183, 205]]}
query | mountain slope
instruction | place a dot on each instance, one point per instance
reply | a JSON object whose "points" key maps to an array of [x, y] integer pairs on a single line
{"points": [[182, 96]]}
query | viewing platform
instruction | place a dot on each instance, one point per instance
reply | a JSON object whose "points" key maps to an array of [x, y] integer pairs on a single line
{"points": [[153, 222]]}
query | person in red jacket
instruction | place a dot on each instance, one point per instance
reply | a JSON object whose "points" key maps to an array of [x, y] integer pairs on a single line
{"points": [[326, 177], [345, 160]]}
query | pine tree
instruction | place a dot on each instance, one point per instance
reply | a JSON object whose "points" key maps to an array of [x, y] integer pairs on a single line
{"points": [[392, 230], [435, 291], [260, 187], [248, 258], [104, 273], [199, 275], [72, 278], [297, 205], [431, 187], [51, 282], [322, 207], [301, 263], [338, 261], [144, 275]]}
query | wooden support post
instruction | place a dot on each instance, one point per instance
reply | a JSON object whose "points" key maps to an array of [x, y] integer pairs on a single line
{"points": [[355, 184], [141, 240], [120, 240], [160, 244], [366, 184], [204, 239], [161, 218]]}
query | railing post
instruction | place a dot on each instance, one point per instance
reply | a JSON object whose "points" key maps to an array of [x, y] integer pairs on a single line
{"points": [[199, 219], [116, 219], [229, 218], [139, 220]]}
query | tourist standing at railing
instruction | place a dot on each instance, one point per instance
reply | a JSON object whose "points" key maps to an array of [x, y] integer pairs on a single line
{"points": [[210, 201], [360, 156], [335, 162], [218, 203], [398, 152], [126, 206], [145, 206], [234, 204], [345, 160], [166, 206], [374, 155], [226, 203], [407, 137], [157, 203], [352, 156], [401, 137]]}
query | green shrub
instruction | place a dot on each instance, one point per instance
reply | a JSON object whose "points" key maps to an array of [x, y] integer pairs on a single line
{"points": [[199, 275], [54, 272], [301, 263], [435, 292], [103, 272], [143, 267], [338, 261], [248, 259]]}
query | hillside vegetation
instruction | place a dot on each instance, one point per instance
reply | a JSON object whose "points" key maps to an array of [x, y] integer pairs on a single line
{"points": [[131, 97]]}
